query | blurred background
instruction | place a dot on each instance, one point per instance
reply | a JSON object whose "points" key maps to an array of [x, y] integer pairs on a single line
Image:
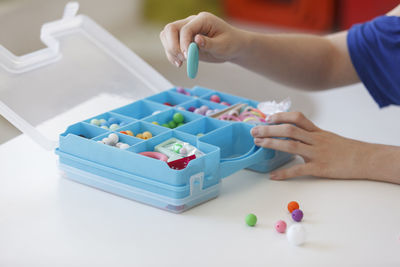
{"points": [[137, 24]]}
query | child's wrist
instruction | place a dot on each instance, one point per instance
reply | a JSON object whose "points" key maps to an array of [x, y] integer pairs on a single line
{"points": [[244, 43]]}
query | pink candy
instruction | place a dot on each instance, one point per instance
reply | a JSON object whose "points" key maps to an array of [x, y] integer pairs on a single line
{"points": [[280, 226], [215, 98]]}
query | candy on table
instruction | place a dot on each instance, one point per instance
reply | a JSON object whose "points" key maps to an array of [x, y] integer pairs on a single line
{"points": [[296, 234], [215, 98], [178, 117], [251, 219], [297, 215], [111, 124], [280, 226], [293, 205]]}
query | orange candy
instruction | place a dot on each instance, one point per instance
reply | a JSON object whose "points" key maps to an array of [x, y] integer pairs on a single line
{"points": [[293, 205]]}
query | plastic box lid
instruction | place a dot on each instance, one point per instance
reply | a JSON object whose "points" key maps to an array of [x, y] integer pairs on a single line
{"points": [[81, 62]]}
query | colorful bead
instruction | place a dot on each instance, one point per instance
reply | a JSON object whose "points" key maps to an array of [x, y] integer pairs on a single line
{"points": [[280, 226], [178, 117], [95, 122], [225, 103], [215, 98], [147, 135], [251, 219], [297, 215], [155, 123], [129, 133], [114, 127], [296, 234], [293, 205], [191, 109]]}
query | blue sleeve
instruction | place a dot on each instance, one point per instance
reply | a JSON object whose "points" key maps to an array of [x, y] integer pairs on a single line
{"points": [[374, 49]]}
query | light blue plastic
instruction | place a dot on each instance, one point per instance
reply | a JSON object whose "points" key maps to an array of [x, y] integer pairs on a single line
{"points": [[228, 147], [192, 60]]}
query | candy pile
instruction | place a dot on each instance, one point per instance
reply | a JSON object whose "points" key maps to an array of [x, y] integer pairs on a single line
{"points": [[295, 233], [112, 140], [177, 120], [145, 135], [203, 110], [111, 124], [244, 113], [217, 99]]}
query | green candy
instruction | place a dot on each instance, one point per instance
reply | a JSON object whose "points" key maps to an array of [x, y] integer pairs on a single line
{"points": [[251, 219], [165, 125], [180, 124], [172, 124], [178, 117]]}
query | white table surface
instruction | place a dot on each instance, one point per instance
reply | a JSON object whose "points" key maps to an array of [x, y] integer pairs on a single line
{"points": [[47, 220]]}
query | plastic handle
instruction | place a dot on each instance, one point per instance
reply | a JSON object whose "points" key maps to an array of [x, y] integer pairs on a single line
{"points": [[255, 155]]}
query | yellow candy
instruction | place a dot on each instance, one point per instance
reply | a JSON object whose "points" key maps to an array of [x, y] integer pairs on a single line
{"points": [[156, 123], [147, 135], [129, 133], [139, 136]]}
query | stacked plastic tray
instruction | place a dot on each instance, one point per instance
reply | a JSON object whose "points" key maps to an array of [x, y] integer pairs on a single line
{"points": [[228, 147]]}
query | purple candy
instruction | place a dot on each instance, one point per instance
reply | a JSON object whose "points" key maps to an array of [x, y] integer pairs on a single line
{"points": [[187, 93], [180, 90], [297, 215], [191, 109]]}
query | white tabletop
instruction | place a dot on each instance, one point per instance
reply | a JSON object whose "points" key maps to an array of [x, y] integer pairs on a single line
{"points": [[47, 220]]}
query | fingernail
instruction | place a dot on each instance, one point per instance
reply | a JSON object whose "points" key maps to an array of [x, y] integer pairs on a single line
{"points": [[273, 176], [201, 42], [254, 131], [181, 57], [185, 53], [257, 140], [177, 63]]}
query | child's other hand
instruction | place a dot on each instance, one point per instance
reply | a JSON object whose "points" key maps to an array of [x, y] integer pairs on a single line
{"points": [[325, 154], [217, 40]]}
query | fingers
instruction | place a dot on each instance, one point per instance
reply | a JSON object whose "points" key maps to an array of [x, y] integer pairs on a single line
{"points": [[294, 171], [170, 40], [282, 130], [296, 118], [200, 24], [290, 146]]}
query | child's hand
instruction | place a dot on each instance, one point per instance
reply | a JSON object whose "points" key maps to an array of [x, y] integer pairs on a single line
{"points": [[325, 154], [217, 40]]}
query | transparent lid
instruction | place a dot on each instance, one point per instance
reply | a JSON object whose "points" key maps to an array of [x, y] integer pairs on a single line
{"points": [[82, 61]]}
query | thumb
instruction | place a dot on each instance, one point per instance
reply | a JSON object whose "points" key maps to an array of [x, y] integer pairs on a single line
{"points": [[205, 43]]}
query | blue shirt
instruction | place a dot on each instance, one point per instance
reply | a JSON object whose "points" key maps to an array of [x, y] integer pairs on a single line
{"points": [[374, 49]]}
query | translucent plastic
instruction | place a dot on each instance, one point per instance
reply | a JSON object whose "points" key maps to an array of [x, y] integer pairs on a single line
{"points": [[81, 62]]}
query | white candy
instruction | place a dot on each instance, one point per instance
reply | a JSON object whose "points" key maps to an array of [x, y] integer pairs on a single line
{"points": [[113, 127], [296, 234], [181, 108], [118, 144], [156, 112], [100, 142], [107, 141], [183, 151], [113, 138], [123, 146]]}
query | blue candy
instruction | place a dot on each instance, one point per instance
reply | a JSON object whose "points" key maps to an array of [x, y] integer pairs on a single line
{"points": [[112, 120], [192, 60]]}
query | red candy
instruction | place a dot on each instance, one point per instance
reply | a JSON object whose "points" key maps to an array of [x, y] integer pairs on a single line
{"points": [[167, 104], [215, 98]]}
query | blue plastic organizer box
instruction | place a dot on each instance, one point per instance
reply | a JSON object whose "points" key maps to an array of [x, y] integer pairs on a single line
{"points": [[228, 147]]}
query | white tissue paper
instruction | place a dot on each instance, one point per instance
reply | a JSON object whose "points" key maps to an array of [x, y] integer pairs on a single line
{"points": [[272, 107]]}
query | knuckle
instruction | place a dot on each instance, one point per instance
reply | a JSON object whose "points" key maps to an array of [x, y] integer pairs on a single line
{"points": [[298, 116], [203, 14], [170, 27], [290, 130]]}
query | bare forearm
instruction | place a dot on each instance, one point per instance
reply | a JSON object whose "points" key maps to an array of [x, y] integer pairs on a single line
{"points": [[381, 163], [304, 61]]}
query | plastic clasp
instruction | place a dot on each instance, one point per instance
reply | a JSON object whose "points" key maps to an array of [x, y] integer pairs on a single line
{"points": [[196, 183]]}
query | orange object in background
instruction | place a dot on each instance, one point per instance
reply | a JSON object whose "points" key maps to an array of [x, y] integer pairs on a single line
{"points": [[356, 11], [304, 14]]}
